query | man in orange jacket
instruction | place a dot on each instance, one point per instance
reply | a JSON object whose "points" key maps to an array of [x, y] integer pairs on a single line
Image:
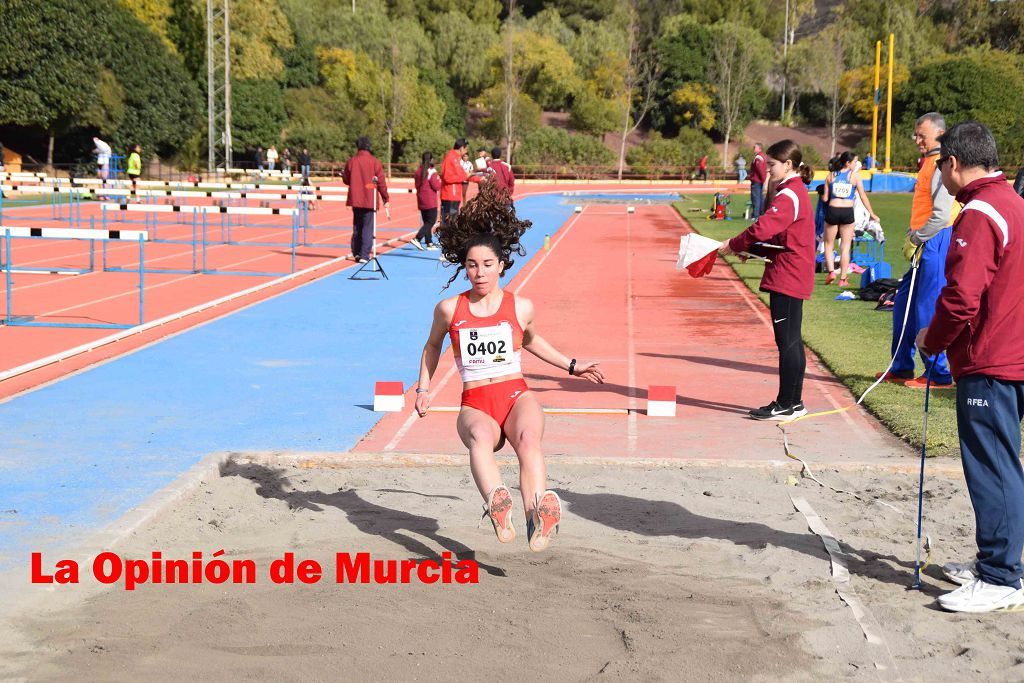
{"points": [[452, 177], [932, 212], [365, 177]]}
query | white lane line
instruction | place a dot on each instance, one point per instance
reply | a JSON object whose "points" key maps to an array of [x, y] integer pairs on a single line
{"points": [[631, 425]]}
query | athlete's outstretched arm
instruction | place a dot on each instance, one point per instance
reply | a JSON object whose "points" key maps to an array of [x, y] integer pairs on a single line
{"points": [[542, 348], [432, 354]]}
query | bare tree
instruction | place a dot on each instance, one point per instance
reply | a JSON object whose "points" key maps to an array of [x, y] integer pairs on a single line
{"points": [[395, 60], [393, 110], [737, 67], [513, 81], [829, 49], [639, 83]]}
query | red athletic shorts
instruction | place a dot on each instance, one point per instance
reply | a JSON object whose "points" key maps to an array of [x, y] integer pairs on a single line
{"points": [[495, 399]]}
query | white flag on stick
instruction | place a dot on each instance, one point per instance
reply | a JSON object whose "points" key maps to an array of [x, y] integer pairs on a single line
{"points": [[697, 254]]}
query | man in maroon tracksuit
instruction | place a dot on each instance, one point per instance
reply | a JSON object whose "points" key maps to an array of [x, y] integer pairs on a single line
{"points": [[978, 322], [502, 172], [365, 178]]}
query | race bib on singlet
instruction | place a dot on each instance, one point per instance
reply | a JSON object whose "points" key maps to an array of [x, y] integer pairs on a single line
{"points": [[842, 190], [486, 347]]}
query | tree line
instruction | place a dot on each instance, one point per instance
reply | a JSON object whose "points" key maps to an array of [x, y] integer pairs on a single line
{"points": [[557, 83]]}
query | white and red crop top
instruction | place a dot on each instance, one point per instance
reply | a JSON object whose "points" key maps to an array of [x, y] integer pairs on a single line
{"points": [[486, 347]]}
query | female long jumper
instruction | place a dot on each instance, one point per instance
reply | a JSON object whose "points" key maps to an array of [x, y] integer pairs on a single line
{"points": [[488, 327]]}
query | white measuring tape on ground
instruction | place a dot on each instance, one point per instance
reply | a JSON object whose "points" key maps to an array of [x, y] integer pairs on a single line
{"points": [[844, 588]]}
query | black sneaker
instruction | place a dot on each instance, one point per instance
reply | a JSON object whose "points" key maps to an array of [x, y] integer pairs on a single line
{"points": [[773, 411]]}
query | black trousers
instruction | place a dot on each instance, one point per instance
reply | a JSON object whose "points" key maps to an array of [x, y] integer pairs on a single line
{"points": [[362, 232], [787, 318], [429, 217], [448, 210]]}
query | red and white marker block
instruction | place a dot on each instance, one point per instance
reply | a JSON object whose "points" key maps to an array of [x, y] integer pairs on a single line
{"points": [[577, 209], [630, 209], [661, 401], [388, 397]]}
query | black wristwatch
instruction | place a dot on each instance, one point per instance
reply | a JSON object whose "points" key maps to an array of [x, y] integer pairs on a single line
{"points": [[572, 367]]}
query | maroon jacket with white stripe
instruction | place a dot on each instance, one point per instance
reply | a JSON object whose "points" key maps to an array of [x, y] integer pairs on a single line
{"points": [[979, 317], [788, 222], [503, 175]]}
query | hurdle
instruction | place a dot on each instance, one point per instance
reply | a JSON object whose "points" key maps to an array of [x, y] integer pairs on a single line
{"points": [[221, 194], [176, 184], [301, 213], [11, 232], [202, 244], [53, 194]]}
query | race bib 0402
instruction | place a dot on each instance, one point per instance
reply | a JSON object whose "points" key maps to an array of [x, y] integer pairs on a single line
{"points": [[486, 347]]}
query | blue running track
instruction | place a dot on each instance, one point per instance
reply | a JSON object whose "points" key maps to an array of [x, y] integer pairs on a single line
{"points": [[293, 373]]}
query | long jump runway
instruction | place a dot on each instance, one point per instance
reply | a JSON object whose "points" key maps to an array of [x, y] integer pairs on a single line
{"points": [[682, 555], [608, 290]]}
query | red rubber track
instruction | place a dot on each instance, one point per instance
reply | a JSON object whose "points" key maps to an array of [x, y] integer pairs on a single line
{"points": [[608, 290]]}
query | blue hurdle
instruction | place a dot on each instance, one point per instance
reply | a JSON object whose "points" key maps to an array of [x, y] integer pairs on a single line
{"points": [[201, 241], [71, 233]]}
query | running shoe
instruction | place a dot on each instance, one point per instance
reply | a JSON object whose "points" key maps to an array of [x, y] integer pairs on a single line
{"points": [[432, 247], [416, 243], [844, 282], [773, 411], [499, 510], [545, 519], [978, 596], [899, 376], [961, 572], [830, 278], [922, 382]]}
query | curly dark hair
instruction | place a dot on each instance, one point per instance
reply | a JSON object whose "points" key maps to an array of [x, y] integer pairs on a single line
{"points": [[489, 220]]}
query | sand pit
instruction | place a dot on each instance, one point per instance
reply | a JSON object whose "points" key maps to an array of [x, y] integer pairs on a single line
{"points": [[671, 572]]}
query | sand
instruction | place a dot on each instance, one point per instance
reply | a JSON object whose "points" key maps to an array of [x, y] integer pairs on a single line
{"points": [[668, 571]]}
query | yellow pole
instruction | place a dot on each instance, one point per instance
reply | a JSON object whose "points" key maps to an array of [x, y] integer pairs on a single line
{"points": [[888, 106], [874, 116]]}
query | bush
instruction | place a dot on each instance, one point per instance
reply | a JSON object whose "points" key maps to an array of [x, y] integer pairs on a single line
{"points": [[812, 158], [982, 87], [563, 151], [659, 156]]}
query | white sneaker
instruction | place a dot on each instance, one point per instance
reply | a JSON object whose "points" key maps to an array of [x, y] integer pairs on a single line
{"points": [[961, 572], [978, 596], [432, 247], [416, 243]]}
